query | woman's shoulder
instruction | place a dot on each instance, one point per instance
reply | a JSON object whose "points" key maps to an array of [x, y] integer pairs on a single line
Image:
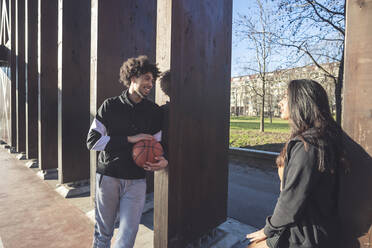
{"points": [[299, 149], [304, 142]]}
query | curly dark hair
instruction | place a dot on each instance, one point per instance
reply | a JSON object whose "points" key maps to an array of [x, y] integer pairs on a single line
{"points": [[137, 67], [165, 82]]}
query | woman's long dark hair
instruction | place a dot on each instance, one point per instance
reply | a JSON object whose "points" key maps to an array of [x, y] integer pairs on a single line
{"points": [[312, 122]]}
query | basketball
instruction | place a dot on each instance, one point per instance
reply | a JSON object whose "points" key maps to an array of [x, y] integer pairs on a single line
{"points": [[146, 151]]}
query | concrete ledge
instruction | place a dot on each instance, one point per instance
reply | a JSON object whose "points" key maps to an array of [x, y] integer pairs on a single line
{"points": [[21, 156], [8, 147], [32, 163], [236, 231], [230, 234], [253, 158], [74, 189], [253, 153], [11, 149], [4, 146], [48, 174], [229, 240], [210, 239]]}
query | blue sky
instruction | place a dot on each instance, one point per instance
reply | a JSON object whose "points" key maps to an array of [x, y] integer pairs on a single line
{"points": [[238, 48], [240, 53], [281, 57]]}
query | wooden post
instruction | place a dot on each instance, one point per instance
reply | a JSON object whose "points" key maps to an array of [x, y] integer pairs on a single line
{"points": [[13, 68], [73, 89], [120, 30], [191, 196], [48, 84], [5, 85], [31, 78], [163, 196], [20, 76], [356, 186]]}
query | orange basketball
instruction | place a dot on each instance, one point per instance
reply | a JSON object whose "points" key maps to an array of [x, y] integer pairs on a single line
{"points": [[146, 151]]}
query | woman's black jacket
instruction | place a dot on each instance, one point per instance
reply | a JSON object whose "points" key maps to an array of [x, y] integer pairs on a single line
{"points": [[306, 210]]}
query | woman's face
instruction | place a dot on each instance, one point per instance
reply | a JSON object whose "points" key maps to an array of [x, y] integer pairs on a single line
{"points": [[284, 110]]}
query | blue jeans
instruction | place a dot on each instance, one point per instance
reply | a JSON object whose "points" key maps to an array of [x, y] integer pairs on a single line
{"points": [[122, 199]]}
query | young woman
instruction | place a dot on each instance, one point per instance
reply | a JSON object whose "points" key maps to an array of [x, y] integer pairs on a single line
{"points": [[306, 211]]}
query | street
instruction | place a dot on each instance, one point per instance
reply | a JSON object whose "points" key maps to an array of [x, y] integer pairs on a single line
{"points": [[252, 193]]}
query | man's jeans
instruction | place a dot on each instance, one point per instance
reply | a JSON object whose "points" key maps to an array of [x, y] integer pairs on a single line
{"points": [[122, 198]]}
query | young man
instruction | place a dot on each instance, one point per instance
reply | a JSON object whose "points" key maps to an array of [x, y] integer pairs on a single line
{"points": [[120, 184]]}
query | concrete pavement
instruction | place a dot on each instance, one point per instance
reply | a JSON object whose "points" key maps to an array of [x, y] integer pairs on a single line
{"points": [[33, 214]]}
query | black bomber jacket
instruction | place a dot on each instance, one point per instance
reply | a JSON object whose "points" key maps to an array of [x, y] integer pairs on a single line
{"points": [[116, 119]]}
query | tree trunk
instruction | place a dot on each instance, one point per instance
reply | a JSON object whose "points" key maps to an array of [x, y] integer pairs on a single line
{"points": [[236, 104], [271, 109], [338, 89], [262, 122], [271, 117]]}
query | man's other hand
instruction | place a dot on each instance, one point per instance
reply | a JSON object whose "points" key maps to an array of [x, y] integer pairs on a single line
{"points": [[159, 165], [135, 138]]}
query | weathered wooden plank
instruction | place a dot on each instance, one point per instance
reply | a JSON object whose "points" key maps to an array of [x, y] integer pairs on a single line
{"points": [[13, 68], [31, 78], [356, 187], [48, 84], [20, 76], [73, 89], [193, 192]]}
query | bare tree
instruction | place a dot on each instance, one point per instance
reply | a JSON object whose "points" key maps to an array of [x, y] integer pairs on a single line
{"points": [[236, 103], [315, 29], [259, 36], [270, 103]]}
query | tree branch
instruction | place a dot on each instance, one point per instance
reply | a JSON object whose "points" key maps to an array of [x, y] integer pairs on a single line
{"points": [[324, 19], [328, 10]]}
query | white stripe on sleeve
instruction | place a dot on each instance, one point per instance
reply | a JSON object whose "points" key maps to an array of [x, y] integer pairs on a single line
{"points": [[102, 142], [157, 136]]}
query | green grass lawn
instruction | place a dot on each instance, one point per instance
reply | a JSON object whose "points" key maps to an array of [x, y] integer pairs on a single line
{"points": [[253, 123], [245, 132]]}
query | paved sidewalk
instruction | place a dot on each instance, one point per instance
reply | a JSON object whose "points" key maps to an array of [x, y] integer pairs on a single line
{"points": [[32, 214]]}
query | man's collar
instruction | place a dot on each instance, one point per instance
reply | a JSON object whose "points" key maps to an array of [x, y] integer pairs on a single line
{"points": [[124, 98]]}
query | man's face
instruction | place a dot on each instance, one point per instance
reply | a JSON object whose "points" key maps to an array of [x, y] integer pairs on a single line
{"points": [[143, 84]]}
